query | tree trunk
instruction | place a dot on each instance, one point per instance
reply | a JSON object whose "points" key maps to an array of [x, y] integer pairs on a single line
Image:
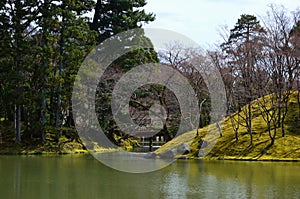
{"points": [[96, 17], [219, 128], [18, 106], [166, 133], [18, 124], [282, 129], [250, 124], [298, 100], [58, 105], [274, 136], [70, 120], [236, 135]]}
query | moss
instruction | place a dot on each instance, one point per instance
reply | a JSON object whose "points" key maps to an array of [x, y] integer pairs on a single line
{"points": [[226, 147], [35, 146]]}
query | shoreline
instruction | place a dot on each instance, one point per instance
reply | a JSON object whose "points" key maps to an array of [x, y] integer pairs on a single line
{"points": [[241, 159], [246, 159], [42, 153], [186, 158]]}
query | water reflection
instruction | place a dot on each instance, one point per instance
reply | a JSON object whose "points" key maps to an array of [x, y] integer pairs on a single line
{"points": [[234, 180], [30, 177]]}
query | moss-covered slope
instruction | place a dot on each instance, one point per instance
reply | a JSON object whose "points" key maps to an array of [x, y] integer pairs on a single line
{"points": [[226, 147]]}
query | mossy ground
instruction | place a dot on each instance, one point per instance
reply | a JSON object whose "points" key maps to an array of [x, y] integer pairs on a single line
{"points": [[68, 142], [226, 147]]}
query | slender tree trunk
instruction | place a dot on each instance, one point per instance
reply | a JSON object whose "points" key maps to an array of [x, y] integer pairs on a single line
{"points": [[285, 111], [18, 38], [250, 124], [282, 129], [270, 133], [45, 65], [219, 129], [60, 65], [70, 120], [298, 98], [236, 132], [200, 117], [52, 106], [15, 120], [44, 105], [274, 136], [235, 125], [18, 126], [18, 106], [57, 115], [97, 15], [166, 134]]}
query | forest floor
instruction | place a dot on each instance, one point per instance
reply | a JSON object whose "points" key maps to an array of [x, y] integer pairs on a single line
{"points": [[65, 145], [68, 143]]}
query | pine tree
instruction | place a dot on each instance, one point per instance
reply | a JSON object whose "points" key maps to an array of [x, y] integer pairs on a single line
{"points": [[42, 46], [241, 50], [112, 17], [66, 40], [17, 18]]}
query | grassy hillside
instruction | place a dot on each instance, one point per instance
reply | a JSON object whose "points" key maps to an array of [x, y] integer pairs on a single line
{"points": [[226, 147]]}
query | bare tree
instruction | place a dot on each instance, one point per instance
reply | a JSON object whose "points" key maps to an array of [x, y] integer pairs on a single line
{"points": [[279, 58], [241, 55], [295, 41], [191, 63]]}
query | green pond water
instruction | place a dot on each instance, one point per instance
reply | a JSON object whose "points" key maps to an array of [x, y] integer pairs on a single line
{"points": [[81, 176]]}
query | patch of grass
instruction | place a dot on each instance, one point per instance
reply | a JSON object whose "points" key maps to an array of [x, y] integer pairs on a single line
{"points": [[226, 147]]}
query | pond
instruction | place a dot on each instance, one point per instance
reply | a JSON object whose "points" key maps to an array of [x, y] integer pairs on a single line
{"points": [[81, 176]]}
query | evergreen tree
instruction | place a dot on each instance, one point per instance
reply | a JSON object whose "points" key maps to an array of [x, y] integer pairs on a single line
{"points": [[17, 18], [42, 46], [112, 17], [241, 49], [66, 40]]}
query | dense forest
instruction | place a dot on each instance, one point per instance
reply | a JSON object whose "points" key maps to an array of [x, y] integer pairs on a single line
{"points": [[44, 42]]}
